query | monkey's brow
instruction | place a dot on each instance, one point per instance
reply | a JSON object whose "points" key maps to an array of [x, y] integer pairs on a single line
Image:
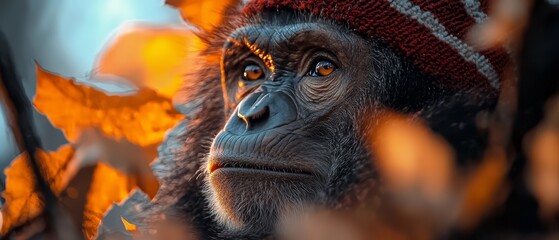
{"points": [[266, 57], [256, 50], [248, 37]]}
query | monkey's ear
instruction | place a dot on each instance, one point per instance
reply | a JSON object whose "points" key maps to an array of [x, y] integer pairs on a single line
{"points": [[205, 14]]}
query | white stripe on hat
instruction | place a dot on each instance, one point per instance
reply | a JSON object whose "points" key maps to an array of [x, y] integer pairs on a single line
{"points": [[439, 31], [473, 7]]}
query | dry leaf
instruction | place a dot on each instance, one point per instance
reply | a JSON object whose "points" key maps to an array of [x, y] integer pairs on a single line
{"points": [[122, 155], [204, 14], [504, 27], [149, 56], [130, 227], [323, 224], [126, 126], [543, 173], [129, 209], [172, 228], [121, 167], [108, 186], [419, 170], [22, 201], [541, 146], [483, 187], [142, 118], [412, 158]]}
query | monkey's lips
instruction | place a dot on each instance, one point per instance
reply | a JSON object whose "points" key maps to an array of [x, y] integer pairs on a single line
{"points": [[224, 165]]}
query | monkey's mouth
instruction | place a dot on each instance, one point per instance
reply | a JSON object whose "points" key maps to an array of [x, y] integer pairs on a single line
{"points": [[244, 166]]}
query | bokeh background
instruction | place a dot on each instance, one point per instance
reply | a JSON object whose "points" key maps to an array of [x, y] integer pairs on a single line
{"points": [[66, 37]]}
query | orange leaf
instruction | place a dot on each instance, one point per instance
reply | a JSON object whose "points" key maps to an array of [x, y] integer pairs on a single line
{"points": [[483, 187], [149, 56], [22, 201], [130, 227], [108, 186], [142, 118], [410, 156], [126, 157], [543, 174], [205, 14]]}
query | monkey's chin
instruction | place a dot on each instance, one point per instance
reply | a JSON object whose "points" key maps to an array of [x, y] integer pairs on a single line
{"points": [[248, 200]]}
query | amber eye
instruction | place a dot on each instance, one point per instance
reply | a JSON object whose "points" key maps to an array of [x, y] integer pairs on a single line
{"points": [[322, 68], [253, 72]]}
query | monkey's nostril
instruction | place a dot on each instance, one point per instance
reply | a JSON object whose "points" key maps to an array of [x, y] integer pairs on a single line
{"points": [[254, 110], [258, 113], [254, 115]]}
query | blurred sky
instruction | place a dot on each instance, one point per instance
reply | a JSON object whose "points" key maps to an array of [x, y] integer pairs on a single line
{"points": [[65, 37]]}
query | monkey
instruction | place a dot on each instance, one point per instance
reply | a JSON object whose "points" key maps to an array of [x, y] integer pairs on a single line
{"points": [[278, 103]]}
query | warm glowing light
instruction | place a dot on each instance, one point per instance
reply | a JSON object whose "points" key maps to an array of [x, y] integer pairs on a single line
{"points": [[152, 57], [192, 11], [129, 226], [142, 118], [22, 201], [212, 166], [410, 156]]}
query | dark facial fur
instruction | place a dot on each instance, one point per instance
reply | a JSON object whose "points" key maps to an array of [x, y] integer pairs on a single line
{"points": [[290, 139], [288, 131]]}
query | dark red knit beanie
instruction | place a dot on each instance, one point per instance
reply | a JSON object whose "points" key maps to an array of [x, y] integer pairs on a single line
{"points": [[429, 32]]}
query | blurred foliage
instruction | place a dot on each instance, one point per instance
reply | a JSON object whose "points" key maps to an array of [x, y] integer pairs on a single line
{"points": [[22, 201], [149, 56], [142, 118], [116, 134], [205, 14]]}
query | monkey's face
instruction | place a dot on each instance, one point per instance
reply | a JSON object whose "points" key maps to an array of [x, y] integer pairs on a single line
{"points": [[293, 92]]}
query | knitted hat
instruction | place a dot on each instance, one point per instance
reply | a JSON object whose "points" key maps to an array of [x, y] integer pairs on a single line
{"points": [[430, 33]]}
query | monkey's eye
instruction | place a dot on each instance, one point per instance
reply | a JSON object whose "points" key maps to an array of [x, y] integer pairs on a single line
{"points": [[322, 68], [253, 72]]}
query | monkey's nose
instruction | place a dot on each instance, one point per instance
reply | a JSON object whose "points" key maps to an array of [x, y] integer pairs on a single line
{"points": [[262, 111], [254, 109]]}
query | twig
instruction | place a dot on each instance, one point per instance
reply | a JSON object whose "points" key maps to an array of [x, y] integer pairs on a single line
{"points": [[19, 108]]}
